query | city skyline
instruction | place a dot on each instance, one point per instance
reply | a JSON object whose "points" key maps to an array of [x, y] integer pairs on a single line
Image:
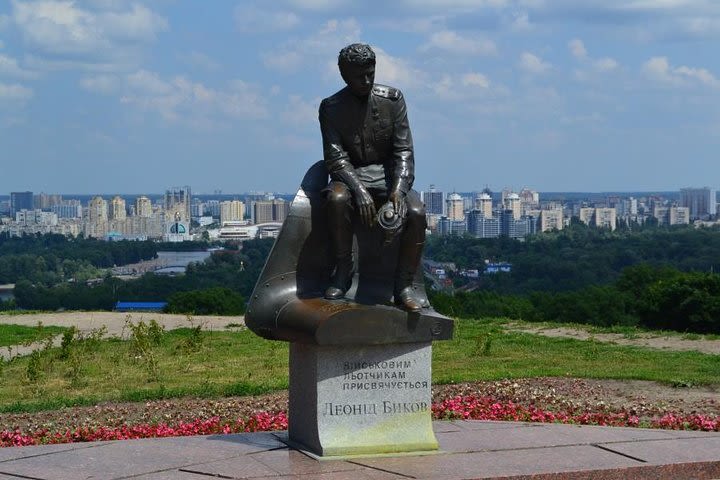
{"points": [[558, 96]]}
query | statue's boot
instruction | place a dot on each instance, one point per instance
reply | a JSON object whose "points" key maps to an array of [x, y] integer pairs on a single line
{"points": [[341, 280], [405, 274]]}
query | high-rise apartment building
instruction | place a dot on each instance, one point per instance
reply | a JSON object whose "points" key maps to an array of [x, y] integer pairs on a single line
{"points": [[551, 219], [280, 209], [512, 202], [516, 227], [231, 211], [97, 224], [68, 209], [262, 211], [679, 216], [586, 214], [483, 204], [177, 201], [671, 215], [212, 208], [43, 201], [36, 217], [455, 206], [603, 217], [143, 206], [481, 226], [702, 202], [20, 201], [117, 208], [529, 200], [433, 201], [448, 226], [98, 210]]}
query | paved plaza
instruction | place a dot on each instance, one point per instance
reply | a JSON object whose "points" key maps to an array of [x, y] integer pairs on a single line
{"points": [[469, 450]]}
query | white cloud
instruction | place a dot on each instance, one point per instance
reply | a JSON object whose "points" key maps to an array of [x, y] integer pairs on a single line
{"points": [[462, 4], [466, 87], [521, 22], [200, 61], [15, 92], [533, 64], [475, 80], [577, 48], [659, 69], [606, 64], [286, 61], [148, 82], [450, 42], [412, 24], [184, 101], [332, 36], [700, 74], [299, 112], [318, 4], [9, 68], [250, 19], [61, 30], [104, 84], [395, 71]]}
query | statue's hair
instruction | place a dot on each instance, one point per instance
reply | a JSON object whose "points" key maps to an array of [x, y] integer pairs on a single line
{"points": [[356, 54]]}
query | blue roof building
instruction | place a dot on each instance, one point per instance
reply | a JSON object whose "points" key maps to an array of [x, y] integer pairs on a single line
{"points": [[140, 306]]}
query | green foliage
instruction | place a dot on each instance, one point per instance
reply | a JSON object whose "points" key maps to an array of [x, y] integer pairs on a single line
{"points": [[142, 348], [481, 304], [240, 363], [7, 305], [51, 259], [654, 298], [211, 301], [35, 369], [578, 256], [22, 335], [230, 269]]}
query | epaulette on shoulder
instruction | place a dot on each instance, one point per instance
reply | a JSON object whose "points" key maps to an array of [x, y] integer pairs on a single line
{"points": [[386, 92]]}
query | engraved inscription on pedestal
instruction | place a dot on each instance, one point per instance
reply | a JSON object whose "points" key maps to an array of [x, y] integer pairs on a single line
{"points": [[364, 399]]}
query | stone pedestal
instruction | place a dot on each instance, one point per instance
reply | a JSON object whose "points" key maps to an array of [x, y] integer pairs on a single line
{"points": [[361, 399]]}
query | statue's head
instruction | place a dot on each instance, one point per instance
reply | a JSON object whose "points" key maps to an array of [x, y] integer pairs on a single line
{"points": [[357, 67]]}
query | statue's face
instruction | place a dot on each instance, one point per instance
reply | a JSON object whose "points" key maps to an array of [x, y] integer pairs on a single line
{"points": [[359, 79]]}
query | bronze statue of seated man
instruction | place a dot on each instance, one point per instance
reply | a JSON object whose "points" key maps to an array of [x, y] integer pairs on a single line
{"points": [[368, 152]]}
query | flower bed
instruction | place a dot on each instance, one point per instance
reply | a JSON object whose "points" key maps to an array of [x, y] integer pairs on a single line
{"points": [[485, 408], [260, 422], [460, 407]]}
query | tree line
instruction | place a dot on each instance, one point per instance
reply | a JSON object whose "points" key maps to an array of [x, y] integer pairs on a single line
{"points": [[661, 278], [52, 259], [644, 295], [219, 285], [578, 256]]}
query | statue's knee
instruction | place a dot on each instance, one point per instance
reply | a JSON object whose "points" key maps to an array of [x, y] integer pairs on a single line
{"points": [[338, 196]]}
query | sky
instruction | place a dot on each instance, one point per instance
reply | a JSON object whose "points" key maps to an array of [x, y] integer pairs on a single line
{"points": [[553, 95]]}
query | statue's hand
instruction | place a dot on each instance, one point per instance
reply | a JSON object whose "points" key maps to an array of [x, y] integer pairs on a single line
{"points": [[366, 206], [397, 197]]}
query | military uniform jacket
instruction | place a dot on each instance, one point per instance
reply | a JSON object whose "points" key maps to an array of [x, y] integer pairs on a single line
{"points": [[368, 140]]}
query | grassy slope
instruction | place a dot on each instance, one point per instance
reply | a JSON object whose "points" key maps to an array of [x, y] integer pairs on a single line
{"points": [[238, 363], [18, 334]]}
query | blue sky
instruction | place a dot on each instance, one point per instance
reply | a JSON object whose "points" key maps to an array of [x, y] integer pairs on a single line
{"points": [[555, 95]]}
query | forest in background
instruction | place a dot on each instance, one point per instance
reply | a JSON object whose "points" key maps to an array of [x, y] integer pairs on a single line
{"points": [[656, 277]]}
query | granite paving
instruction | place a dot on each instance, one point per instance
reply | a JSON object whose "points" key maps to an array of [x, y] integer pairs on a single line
{"points": [[468, 450]]}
